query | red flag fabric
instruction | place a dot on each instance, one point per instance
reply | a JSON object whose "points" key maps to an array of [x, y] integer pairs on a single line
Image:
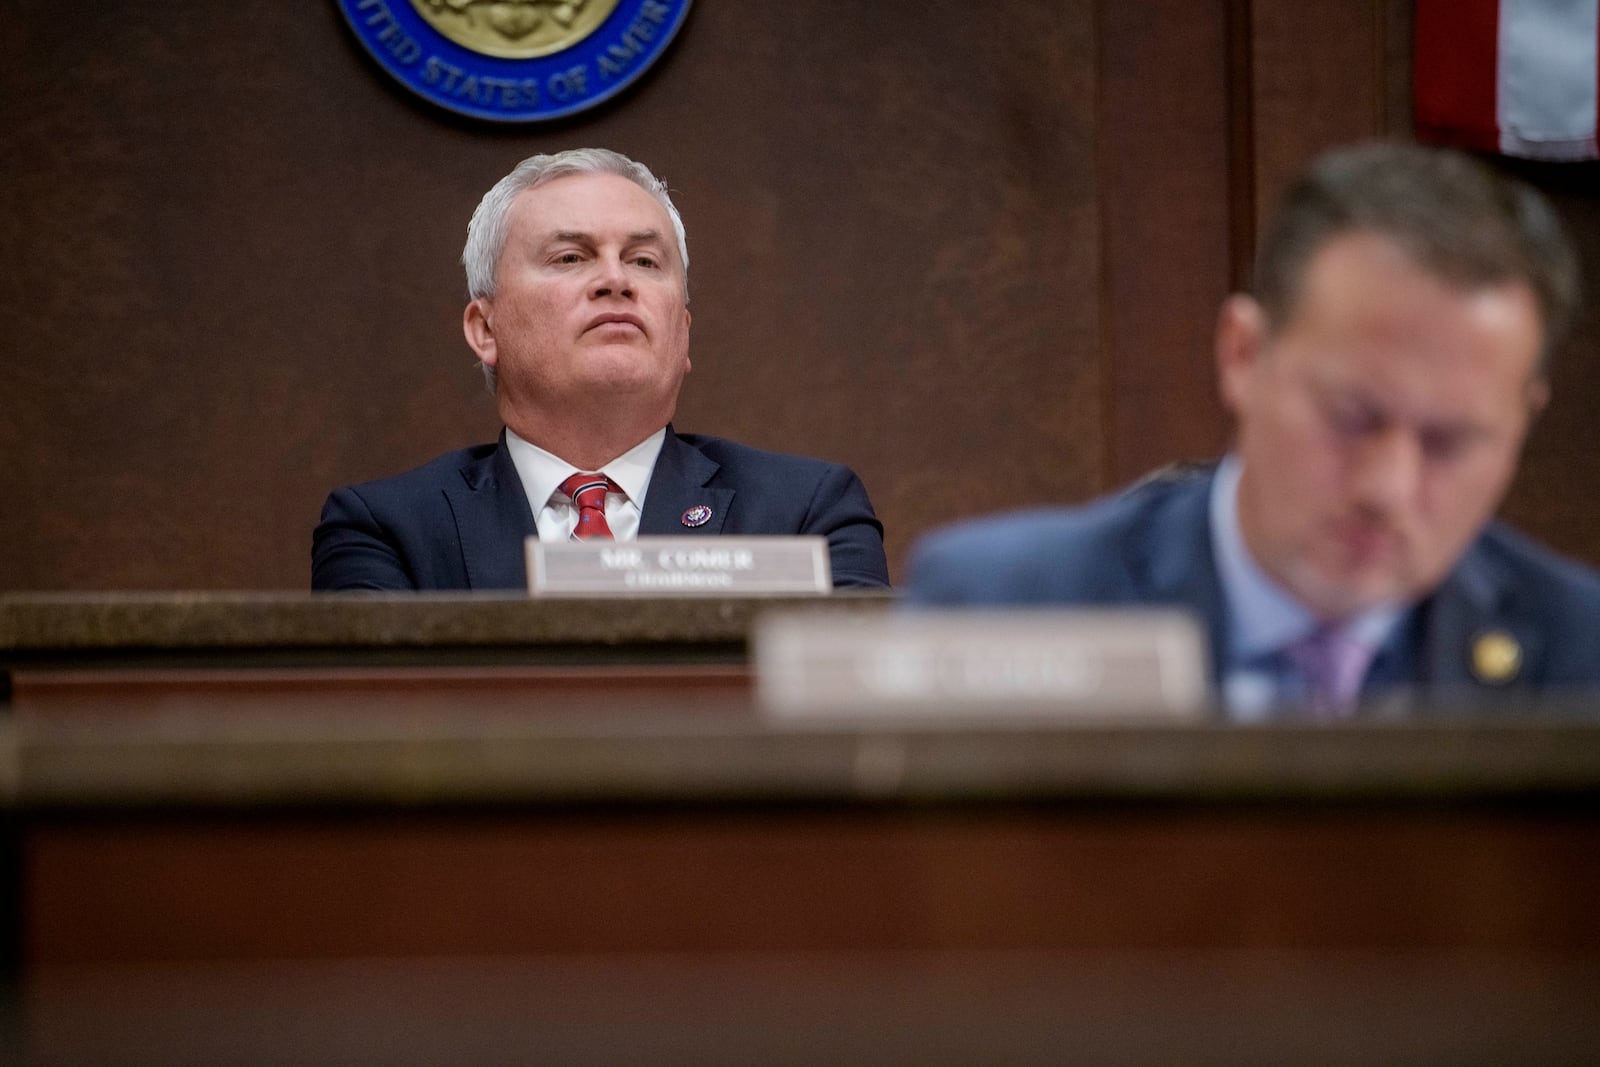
{"points": [[1519, 77]]}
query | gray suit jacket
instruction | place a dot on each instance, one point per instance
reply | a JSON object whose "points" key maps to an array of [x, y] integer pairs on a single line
{"points": [[1152, 545]]}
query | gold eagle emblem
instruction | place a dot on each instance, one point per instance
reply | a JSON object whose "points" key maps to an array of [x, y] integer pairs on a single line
{"points": [[515, 29]]}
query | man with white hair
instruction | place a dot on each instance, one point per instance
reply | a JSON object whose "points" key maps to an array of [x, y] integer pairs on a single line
{"points": [[577, 269]]}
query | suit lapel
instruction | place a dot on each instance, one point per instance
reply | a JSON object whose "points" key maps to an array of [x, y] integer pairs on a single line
{"points": [[1170, 554], [678, 485], [493, 520], [1170, 558], [1469, 606]]}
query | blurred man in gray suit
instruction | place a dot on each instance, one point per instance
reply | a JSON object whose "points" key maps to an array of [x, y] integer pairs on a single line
{"points": [[1383, 376]]}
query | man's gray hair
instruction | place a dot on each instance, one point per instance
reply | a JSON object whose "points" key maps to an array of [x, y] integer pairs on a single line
{"points": [[486, 233]]}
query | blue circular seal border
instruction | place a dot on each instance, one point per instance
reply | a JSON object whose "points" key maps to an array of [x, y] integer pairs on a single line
{"points": [[458, 79]]}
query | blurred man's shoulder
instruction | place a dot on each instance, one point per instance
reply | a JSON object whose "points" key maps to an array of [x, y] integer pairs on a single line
{"points": [[1108, 516], [1537, 574], [1089, 551]]}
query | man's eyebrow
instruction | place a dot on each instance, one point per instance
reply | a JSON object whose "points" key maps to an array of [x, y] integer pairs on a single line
{"points": [[580, 237]]}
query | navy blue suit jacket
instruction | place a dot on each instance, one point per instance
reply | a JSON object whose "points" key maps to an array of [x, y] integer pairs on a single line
{"points": [[460, 522], [1152, 545]]}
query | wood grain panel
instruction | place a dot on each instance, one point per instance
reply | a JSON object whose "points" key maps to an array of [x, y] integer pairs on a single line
{"points": [[1154, 878], [1319, 80], [1167, 150], [1554, 495], [1133, 1009], [335, 694]]}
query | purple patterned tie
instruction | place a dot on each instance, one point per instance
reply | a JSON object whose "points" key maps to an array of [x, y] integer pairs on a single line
{"points": [[588, 491], [1332, 664]]}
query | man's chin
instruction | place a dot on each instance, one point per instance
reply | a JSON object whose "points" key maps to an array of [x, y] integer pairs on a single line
{"points": [[620, 367], [1334, 594]]}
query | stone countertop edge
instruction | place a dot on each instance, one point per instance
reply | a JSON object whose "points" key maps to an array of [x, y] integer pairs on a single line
{"points": [[211, 762], [47, 622]]}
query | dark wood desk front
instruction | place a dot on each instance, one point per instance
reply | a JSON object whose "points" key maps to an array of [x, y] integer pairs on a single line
{"points": [[461, 887], [333, 655], [256, 854]]}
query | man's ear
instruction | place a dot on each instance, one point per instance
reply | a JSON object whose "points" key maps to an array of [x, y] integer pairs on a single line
{"points": [[1538, 397], [479, 331], [687, 320], [1240, 341]]}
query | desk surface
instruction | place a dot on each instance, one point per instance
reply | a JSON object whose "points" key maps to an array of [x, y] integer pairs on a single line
{"points": [[157, 628], [452, 755]]}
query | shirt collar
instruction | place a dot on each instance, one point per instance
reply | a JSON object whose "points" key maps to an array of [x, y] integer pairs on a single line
{"points": [[543, 472], [1262, 617]]}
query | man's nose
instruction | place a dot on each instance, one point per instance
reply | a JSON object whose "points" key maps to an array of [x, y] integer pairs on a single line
{"points": [[611, 278], [1388, 467]]}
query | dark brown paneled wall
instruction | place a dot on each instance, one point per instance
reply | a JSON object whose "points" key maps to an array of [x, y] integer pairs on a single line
{"points": [[971, 250], [1555, 496], [1169, 157]]}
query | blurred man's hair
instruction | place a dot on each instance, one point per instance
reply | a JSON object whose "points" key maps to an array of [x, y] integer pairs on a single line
{"points": [[1454, 216]]}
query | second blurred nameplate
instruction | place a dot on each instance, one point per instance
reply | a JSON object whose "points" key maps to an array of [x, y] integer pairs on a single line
{"points": [[1090, 664], [678, 566]]}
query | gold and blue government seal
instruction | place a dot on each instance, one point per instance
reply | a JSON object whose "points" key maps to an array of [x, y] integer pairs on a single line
{"points": [[516, 60]]}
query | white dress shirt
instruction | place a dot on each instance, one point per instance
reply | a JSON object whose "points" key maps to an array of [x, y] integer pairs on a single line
{"points": [[555, 515]]}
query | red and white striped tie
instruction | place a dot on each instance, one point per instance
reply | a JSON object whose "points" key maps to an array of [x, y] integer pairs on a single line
{"points": [[588, 491]]}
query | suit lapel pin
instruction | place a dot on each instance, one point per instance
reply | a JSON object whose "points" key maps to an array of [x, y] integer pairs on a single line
{"points": [[1496, 657], [698, 515]]}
